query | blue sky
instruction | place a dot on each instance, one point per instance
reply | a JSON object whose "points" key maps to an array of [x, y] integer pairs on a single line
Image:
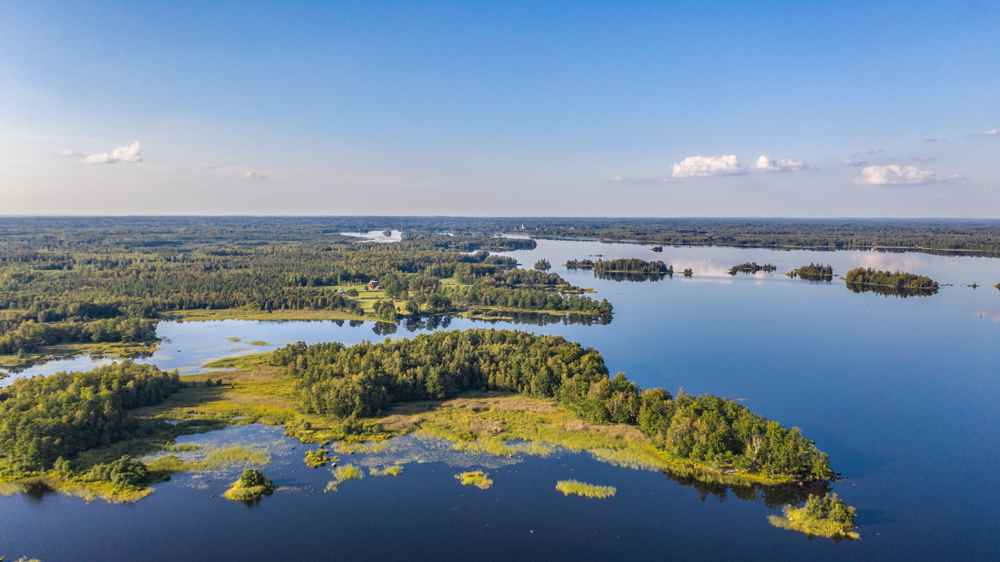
{"points": [[514, 108]]}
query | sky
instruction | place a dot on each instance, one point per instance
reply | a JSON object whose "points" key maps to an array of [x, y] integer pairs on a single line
{"points": [[535, 108]]}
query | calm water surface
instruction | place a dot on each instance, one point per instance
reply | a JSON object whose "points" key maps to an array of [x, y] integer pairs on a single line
{"points": [[902, 393]]}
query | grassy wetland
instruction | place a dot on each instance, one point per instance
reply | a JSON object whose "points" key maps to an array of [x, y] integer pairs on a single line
{"points": [[575, 488]]}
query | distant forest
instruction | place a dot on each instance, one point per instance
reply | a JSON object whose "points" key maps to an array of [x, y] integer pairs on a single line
{"points": [[20, 233]]}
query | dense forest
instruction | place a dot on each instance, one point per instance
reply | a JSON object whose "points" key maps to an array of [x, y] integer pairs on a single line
{"points": [[750, 268], [814, 272], [892, 280], [44, 419], [110, 280], [365, 379]]}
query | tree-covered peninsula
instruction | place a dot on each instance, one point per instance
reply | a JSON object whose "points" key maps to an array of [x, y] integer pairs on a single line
{"points": [[366, 379]]}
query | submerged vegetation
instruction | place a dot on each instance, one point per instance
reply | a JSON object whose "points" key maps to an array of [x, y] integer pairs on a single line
{"points": [[751, 268], [573, 487], [251, 485], [476, 478], [826, 516], [813, 272], [394, 470]]}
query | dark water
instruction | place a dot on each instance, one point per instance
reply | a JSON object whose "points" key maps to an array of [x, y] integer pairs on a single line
{"points": [[902, 393]]}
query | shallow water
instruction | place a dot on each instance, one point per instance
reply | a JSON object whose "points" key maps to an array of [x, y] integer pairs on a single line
{"points": [[902, 393]]}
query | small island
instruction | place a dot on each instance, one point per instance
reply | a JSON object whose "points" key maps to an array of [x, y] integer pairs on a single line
{"points": [[688, 272], [630, 265], [657, 248], [251, 485], [826, 516], [813, 272], [898, 283], [751, 268], [476, 478], [580, 264], [543, 265]]}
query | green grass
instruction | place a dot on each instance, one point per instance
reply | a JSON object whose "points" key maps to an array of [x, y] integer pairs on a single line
{"points": [[476, 478], [233, 339], [573, 487], [259, 342]]}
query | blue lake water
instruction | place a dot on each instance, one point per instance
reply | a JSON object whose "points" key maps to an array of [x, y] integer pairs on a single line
{"points": [[903, 394]]}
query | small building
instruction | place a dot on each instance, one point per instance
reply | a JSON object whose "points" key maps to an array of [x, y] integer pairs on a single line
{"points": [[373, 285]]}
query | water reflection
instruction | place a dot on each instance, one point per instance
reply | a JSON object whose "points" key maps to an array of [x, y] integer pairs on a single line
{"points": [[772, 496], [901, 292], [630, 276], [417, 323]]}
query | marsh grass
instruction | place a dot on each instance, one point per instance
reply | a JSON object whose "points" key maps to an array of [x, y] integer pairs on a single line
{"points": [[236, 455], [233, 339], [258, 342], [476, 478], [573, 487], [342, 474]]}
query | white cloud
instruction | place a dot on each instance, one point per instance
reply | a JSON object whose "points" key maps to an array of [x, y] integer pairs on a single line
{"points": [[990, 133], [705, 166], [931, 140], [765, 164], [131, 154], [957, 177], [922, 158], [254, 176], [894, 175], [850, 162]]}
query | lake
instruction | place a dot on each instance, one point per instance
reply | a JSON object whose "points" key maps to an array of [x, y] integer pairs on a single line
{"points": [[903, 394]]}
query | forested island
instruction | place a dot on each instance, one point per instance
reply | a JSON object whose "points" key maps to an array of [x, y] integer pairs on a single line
{"points": [[750, 268], [631, 265], [813, 272], [896, 283], [65, 427]]}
